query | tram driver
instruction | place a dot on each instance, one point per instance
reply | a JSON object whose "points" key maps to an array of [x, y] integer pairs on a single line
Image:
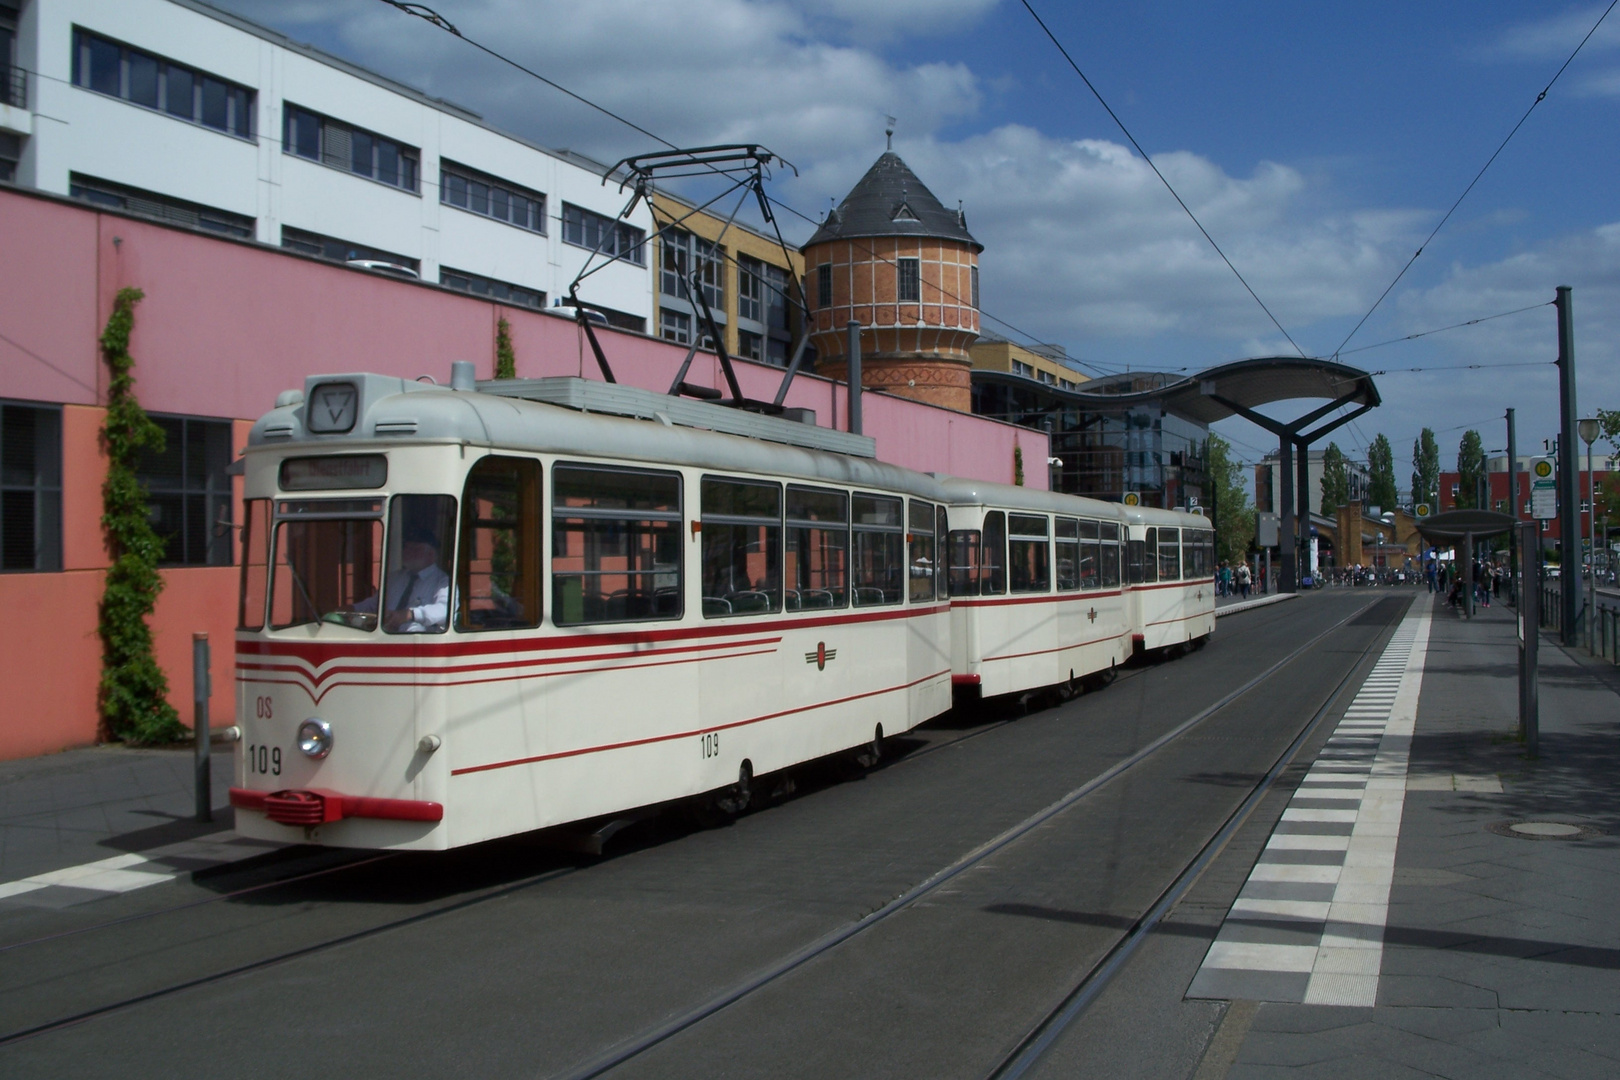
{"points": [[416, 593]]}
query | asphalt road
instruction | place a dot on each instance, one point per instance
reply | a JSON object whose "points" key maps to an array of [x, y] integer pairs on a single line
{"points": [[513, 960]]}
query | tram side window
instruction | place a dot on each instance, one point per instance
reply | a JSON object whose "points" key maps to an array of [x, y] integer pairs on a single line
{"points": [[1150, 557], [993, 557], [1028, 553], [962, 551], [920, 527], [742, 547], [498, 576], [1110, 555], [1090, 555], [1169, 554], [1069, 565], [326, 570], [615, 545], [942, 528], [879, 551], [255, 563], [817, 561]]}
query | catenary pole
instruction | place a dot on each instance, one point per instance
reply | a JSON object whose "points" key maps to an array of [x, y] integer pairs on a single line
{"points": [[1513, 509], [1569, 516]]}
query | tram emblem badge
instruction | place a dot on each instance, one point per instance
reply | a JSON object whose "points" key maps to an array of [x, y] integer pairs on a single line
{"points": [[821, 656]]}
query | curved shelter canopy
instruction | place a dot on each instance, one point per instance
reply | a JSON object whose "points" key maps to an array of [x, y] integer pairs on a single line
{"points": [[1455, 525], [1234, 389]]}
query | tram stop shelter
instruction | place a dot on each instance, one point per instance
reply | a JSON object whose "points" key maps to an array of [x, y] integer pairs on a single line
{"points": [[1462, 528], [1242, 387]]}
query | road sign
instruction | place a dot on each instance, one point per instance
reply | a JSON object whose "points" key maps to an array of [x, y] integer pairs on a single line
{"points": [[1266, 527], [1132, 498], [1422, 510], [1543, 490]]}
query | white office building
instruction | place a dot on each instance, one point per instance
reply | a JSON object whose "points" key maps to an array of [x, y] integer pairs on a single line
{"points": [[179, 110]]}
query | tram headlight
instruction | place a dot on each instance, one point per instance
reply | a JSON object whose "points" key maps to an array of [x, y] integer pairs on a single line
{"points": [[315, 737]]}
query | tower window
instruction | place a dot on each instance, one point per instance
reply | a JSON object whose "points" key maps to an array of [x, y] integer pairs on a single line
{"points": [[824, 285], [909, 286]]}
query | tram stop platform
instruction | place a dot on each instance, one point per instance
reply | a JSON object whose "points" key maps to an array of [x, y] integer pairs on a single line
{"points": [[1501, 943]]}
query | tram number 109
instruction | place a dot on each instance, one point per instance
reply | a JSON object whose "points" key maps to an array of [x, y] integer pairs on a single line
{"points": [[711, 744], [265, 760]]}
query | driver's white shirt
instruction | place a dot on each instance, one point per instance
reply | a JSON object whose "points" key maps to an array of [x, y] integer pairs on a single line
{"points": [[429, 599]]}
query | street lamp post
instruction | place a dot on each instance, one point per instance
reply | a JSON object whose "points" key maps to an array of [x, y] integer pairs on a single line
{"points": [[1589, 430]]}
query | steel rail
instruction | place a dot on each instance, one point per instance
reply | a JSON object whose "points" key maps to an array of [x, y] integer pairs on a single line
{"points": [[625, 1051], [1034, 1045]]}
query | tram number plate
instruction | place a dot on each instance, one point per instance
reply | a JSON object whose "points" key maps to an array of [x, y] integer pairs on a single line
{"points": [[265, 760], [711, 744]]}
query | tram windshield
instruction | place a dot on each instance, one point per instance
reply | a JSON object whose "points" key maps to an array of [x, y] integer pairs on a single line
{"points": [[329, 562], [323, 568]]}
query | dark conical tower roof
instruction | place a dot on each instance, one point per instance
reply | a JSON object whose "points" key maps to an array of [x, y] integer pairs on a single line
{"points": [[890, 201]]}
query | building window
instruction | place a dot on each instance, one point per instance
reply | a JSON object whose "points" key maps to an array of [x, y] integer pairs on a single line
{"points": [[750, 289], [13, 79], [675, 326], [682, 253], [481, 194], [909, 285], [342, 146], [604, 235], [750, 346], [10, 155], [776, 290], [1046, 377], [141, 78], [824, 295], [30, 487], [973, 275], [495, 290], [161, 207], [776, 352], [188, 492], [1021, 368], [327, 247]]}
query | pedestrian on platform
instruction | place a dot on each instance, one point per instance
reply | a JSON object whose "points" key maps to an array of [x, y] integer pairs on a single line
{"points": [[1243, 578]]}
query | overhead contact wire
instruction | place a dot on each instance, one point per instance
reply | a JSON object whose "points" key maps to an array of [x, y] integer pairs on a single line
{"points": [[1494, 155], [1167, 185]]}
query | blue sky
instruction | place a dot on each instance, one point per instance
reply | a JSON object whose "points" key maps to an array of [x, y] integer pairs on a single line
{"points": [[1319, 144]]}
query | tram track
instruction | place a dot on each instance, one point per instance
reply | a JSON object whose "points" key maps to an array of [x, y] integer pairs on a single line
{"points": [[304, 950], [628, 1050]]}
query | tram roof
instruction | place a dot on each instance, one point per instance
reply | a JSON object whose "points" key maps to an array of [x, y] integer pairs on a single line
{"points": [[391, 411], [961, 490]]}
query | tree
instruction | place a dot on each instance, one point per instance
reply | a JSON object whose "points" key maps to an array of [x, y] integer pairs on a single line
{"points": [[1426, 469], [1470, 470], [1234, 517], [1381, 474], [1335, 480]]}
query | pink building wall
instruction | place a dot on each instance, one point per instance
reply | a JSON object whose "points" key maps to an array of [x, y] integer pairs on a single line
{"points": [[227, 325]]}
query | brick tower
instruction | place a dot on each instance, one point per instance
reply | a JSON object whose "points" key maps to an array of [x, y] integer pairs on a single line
{"points": [[898, 262]]}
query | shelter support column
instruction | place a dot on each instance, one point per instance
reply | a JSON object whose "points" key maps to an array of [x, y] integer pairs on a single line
{"points": [[1287, 541]]}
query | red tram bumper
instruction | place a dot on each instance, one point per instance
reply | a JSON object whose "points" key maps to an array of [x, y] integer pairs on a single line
{"points": [[308, 808]]}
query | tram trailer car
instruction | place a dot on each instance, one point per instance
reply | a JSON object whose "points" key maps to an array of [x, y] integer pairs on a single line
{"points": [[1170, 570], [1036, 588], [466, 615]]}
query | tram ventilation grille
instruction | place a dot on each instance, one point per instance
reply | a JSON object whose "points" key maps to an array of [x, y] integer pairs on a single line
{"points": [[396, 427]]}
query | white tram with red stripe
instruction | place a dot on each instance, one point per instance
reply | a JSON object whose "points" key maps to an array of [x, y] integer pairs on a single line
{"points": [[1170, 571], [469, 612], [466, 615], [1037, 596]]}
